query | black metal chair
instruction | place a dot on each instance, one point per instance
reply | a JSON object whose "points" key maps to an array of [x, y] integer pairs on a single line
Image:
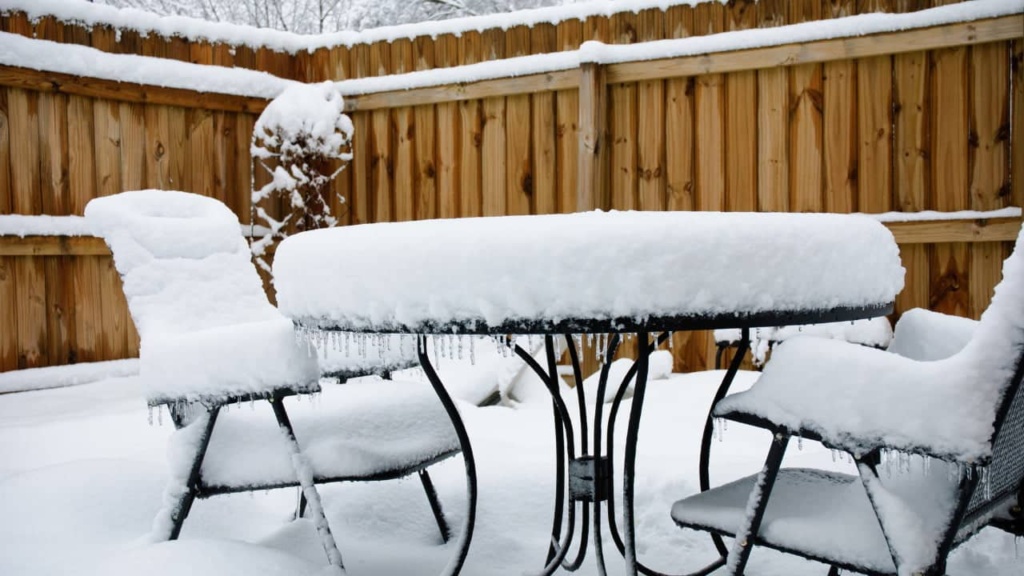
{"points": [[953, 428], [210, 339]]}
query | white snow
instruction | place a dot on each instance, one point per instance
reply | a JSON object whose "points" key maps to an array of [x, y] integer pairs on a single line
{"points": [[925, 335], [16, 50], [60, 376], [78, 60], [1008, 212], [19, 225], [360, 428], [859, 25], [205, 324], [601, 265], [875, 332], [861, 398], [82, 472], [194, 29], [307, 115]]}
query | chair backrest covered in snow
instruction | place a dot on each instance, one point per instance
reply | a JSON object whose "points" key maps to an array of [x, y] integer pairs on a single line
{"points": [[208, 332], [1000, 338]]}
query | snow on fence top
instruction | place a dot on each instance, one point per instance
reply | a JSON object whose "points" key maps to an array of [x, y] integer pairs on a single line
{"points": [[488, 272], [194, 29], [197, 30], [82, 61], [206, 326], [16, 50]]}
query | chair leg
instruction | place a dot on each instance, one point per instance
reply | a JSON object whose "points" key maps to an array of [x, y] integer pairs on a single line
{"points": [[756, 505], [435, 506], [305, 477], [186, 494]]}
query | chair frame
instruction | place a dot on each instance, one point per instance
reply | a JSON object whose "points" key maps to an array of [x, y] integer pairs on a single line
{"points": [[963, 525], [309, 496]]}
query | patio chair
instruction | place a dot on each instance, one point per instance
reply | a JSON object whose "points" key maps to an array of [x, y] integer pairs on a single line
{"points": [[950, 421], [210, 339]]}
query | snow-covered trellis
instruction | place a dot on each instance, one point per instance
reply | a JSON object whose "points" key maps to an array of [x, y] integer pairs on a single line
{"points": [[303, 139]]}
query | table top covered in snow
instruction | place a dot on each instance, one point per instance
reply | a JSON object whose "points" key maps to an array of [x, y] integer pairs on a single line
{"points": [[589, 272]]}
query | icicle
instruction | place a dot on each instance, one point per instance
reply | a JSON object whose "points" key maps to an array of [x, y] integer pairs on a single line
{"points": [[150, 416], [671, 344], [159, 417], [799, 442], [472, 351], [461, 339]]}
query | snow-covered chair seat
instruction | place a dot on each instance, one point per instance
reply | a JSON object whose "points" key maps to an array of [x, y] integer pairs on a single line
{"points": [[953, 404], [873, 332], [343, 433], [210, 338]]}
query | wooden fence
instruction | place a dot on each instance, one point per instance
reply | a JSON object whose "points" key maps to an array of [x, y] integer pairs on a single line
{"points": [[857, 124]]}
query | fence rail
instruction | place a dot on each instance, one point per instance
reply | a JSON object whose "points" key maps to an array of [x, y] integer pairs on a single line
{"points": [[843, 125]]}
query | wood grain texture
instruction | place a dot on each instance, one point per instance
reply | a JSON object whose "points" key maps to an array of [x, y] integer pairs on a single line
{"points": [[950, 125], [874, 128], [988, 160], [912, 169], [839, 82], [567, 134]]}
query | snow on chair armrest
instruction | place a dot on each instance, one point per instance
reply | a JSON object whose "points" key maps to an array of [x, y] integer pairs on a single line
{"points": [[858, 399]]}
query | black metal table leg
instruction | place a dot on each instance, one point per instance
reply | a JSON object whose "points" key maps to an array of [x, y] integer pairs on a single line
{"points": [[459, 559]]}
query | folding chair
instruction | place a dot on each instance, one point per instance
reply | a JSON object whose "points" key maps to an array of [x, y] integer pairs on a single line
{"points": [[210, 339], [950, 421]]}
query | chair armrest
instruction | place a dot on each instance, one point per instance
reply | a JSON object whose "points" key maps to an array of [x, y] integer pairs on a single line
{"points": [[859, 399], [925, 335]]}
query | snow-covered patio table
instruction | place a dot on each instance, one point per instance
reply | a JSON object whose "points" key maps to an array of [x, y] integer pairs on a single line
{"points": [[596, 273]]}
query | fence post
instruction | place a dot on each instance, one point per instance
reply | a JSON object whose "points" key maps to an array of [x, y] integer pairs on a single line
{"points": [[592, 184]]}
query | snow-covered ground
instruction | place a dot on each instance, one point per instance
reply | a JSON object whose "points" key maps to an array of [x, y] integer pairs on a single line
{"points": [[82, 470]]}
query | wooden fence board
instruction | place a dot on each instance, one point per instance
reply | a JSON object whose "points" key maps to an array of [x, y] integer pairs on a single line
{"points": [[449, 130], [912, 169], [359, 203], [133, 148], [566, 127], [382, 161], [9, 343], [53, 154], [874, 120], [519, 175], [200, 152], [650, 136], [949, 267], [989, 151], [403, 139], [772, 121], [471, 120], [839, 83], [494, 131], [543, 136], [426, 140], [805, 146]]}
